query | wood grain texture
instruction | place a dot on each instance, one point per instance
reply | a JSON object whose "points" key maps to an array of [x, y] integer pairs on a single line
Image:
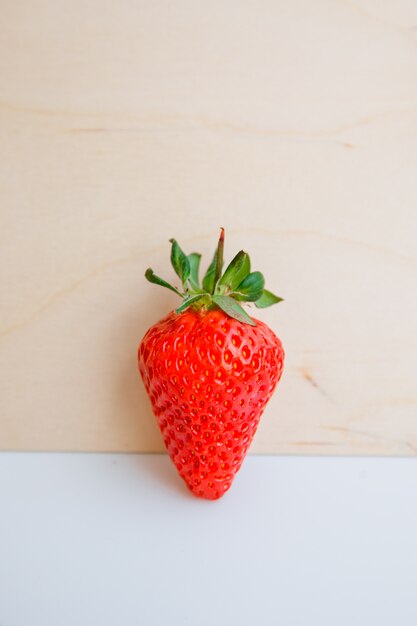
{"points": [[292, 125]]}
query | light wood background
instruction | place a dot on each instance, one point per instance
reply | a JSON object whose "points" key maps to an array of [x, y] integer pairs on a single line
{"points": [[291, 124]]}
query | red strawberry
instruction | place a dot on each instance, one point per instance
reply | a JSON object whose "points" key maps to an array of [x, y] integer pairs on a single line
{"points": [[210, 369]]}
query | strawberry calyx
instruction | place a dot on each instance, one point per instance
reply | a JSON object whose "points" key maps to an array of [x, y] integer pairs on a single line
{"points": [[218, 289]]}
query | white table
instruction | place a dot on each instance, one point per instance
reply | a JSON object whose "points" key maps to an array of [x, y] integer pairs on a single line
{"points": [[116, 540]]}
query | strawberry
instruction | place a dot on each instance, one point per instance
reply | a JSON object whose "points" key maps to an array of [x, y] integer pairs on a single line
{"points": [[209, 368]]}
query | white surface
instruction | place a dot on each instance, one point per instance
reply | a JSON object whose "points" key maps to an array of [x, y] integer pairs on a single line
{"points": [[116, 539]]}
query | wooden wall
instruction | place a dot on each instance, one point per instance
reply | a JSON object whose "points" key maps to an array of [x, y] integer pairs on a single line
{"points": [[291, 124]]}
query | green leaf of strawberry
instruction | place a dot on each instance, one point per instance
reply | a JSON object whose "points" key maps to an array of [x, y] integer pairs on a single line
{"points": [[153, 278], [222, 291], [233, 309], [210, 275], [267, 299], [194, 260], [215, 268], [180, 262], [251, 288], [235, 272], [189, 301]]}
